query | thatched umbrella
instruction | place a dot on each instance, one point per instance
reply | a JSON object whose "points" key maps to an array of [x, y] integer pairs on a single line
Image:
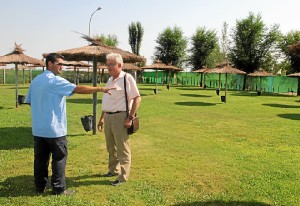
{"points": [[224, 70], [158, 65], [18, 57], [131, 67], [30, 66], [260, 73], [296, 75], [96, 52], [4, 80], [201, 71], [76, 64]]}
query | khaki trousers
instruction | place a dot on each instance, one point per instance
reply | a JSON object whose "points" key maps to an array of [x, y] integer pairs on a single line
{"points": [[117, 145]]}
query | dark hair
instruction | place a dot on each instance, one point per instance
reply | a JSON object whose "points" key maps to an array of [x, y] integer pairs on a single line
{"points": [[52, 58]]}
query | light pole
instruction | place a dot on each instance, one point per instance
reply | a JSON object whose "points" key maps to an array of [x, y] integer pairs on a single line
{"points": [[91, 19]]}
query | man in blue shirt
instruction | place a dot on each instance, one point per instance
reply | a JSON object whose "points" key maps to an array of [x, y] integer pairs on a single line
{"points": [[47, 97]]}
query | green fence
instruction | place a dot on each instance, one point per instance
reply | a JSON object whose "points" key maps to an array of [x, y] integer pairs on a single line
{"points": [[278, 84]]}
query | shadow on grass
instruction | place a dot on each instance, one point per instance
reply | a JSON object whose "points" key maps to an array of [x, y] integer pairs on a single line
{"points": [[195, 95], [24, 185], [15, 138], [281, 106], [189, 88], [290, 116], [254, 94], [223, 203], [83, 101], [148, 89], [195, 104], [1, 107]]}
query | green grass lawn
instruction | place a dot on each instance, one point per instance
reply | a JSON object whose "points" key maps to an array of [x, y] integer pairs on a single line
{"points": [[191, 149]]}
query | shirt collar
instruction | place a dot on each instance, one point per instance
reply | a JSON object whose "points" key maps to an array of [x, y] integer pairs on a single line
{"points": [[121, 75]]}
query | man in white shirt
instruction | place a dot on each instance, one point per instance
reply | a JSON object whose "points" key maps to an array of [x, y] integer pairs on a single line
{"points": [[115, 119]]}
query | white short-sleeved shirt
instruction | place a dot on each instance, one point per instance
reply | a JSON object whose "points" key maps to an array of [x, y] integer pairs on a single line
{"points": [[48, 104], [116, 101]]}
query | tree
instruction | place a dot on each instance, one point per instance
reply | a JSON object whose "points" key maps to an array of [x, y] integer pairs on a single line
{"points": [[253, 44], [224, 41], [136, 33], [109, 40], [204, 42], [215, 57], [290, 38], [171, 47]]}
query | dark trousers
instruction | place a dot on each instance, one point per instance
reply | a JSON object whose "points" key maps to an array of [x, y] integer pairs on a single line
{"points": [[43, 149]]}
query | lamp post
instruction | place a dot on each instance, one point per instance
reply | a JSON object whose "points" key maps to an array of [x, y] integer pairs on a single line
{"points": [[94, 80], [91, 19]]}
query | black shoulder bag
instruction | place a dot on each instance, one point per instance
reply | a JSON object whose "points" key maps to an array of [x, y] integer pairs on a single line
{"points": [[135, 121]]}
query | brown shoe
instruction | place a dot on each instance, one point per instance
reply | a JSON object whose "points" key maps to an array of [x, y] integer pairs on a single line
{"points": [[66, 192]]}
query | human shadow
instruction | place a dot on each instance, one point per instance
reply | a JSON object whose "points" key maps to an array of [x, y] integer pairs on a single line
{"points": [[17, 186], [83, 101], [281, 105], [15, 138], [23, 185], [195, 95], [223, 203], [195, 104], [290, 116]]}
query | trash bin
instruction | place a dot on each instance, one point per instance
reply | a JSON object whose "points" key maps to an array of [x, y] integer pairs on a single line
{"points": [[87, 122], [218, 92], [259, 93], [223, 99], [21, 99], [155, 91]]}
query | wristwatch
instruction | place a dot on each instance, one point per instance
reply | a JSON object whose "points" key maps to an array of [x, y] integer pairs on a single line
{"points": [[131, 117]]}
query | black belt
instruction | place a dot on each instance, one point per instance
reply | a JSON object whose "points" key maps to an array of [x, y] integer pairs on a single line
{"points": [[113, 112]]}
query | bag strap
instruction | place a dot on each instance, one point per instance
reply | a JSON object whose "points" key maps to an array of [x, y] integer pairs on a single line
{"points": [[127, 111]]}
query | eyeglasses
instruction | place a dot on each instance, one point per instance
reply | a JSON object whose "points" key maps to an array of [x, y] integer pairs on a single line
{"points": [[60, 64], [111, 65]]}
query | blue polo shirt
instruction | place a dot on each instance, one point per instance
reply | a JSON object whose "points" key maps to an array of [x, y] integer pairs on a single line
{"points": [[47, 97]]}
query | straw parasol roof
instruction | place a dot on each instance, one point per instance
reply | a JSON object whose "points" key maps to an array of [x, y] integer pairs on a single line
{"points": [[158, 65], [261, 73], [201, 71], [224, 69], [97, 49], [294, 75], [297, 75], [16, 57], [76, 64], [130, 66]]}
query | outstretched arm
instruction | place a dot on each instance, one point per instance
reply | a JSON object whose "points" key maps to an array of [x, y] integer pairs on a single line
{"points": [[83, 89]]}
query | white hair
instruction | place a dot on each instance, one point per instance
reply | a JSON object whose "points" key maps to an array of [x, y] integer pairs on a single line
{"points": [[115, 56]]}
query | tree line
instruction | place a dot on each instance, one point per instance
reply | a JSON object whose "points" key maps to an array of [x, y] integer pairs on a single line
{"points": [[248, 46]]}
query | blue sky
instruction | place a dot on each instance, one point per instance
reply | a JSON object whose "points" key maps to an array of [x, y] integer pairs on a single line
{"points": [[48, 26]]}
